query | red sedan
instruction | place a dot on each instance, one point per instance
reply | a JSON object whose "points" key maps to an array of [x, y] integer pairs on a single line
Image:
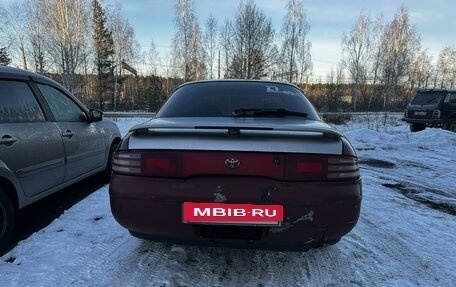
{"points": [[238, 163]]}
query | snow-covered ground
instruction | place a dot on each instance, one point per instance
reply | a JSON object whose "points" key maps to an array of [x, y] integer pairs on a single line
{"points": [[406, 235]]}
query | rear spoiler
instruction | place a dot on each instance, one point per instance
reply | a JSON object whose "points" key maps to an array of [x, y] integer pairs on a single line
{"points": [[238, 130]]}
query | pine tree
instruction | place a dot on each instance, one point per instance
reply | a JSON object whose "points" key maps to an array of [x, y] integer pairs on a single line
{"points": [[4, 58], [104, 49]]}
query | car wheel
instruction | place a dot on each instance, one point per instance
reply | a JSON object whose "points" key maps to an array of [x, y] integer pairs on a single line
{"points": [[450, 125], [417, 127], [6, 221], [108, 170]]}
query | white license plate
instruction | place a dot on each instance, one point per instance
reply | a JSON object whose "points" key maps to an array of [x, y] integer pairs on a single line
{"points": [[420, 113]]}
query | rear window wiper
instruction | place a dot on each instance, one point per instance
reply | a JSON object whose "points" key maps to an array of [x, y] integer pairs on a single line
{"points": [[432, 100], [267, 112]]}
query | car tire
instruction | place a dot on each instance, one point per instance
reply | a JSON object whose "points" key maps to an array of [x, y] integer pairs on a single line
{"points": [[450, 125], [6, 221], [417, 127], [333, 241], [108, 170], [327, 243]]}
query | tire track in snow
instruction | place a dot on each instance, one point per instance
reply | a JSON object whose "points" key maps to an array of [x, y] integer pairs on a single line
{"points": [[146, 264], [385, 239], [92, 267], [227, 267], [417, 189], [325, 267], [129, 262], [126, 260], [201, 260], [383, 255], [239, 267], [215, 266]]}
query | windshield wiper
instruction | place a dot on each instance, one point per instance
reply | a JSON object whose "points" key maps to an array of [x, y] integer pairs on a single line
{"points": [[267, 112]]}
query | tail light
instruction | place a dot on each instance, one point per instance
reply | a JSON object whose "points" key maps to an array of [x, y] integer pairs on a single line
{"points": [[436, 114], [291, 167], [343, 168], [321, 168], [154, 164], [129, 163], [406, 113]]}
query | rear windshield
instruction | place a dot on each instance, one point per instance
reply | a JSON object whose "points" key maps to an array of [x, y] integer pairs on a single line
{"points": [[428, 98], [220, 99]]}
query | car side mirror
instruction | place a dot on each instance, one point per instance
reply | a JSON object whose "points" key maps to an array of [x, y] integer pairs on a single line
{"points": [[95, 115]]}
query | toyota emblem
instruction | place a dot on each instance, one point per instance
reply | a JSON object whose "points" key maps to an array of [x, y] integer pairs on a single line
{"points": [[232, 162]]}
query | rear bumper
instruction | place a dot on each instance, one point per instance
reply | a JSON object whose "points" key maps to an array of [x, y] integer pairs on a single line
{"points": [[314, 213]]}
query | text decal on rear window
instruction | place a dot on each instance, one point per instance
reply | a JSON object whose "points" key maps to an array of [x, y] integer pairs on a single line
{"points": [[275, 89]]}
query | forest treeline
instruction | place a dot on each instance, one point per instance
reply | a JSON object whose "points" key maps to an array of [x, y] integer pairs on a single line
{"points": [[92, 50]]}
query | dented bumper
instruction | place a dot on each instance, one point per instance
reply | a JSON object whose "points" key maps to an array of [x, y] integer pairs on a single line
{"points": [[313, 212]]}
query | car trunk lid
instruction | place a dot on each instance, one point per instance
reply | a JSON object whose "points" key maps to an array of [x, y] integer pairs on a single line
{"points": [[294, 152]]}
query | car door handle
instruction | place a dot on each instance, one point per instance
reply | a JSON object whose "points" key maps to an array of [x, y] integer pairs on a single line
{"points": [[68, 134], [8, 140]]}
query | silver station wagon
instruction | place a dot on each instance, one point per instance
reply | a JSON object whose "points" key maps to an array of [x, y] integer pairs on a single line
{"points": [[48, 140]]}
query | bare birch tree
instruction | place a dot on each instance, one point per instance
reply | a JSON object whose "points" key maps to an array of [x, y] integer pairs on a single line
{"points": [[125, 48], [376, 58], [400, 43], [68, 26], [294, 32], [334, 88], [225, 46], [4, 56], [36, 31], [15, 29], [305, 64], [446, 69], [253, 50], [125, 45], [420, 72], [153, 59], [187, 45], [356, 46], [210, 43], [198, 66]]}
